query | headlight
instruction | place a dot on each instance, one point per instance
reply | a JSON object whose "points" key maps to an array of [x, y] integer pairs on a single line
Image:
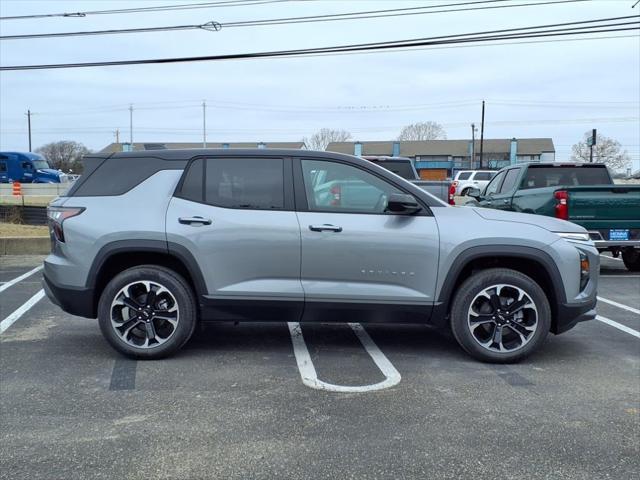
{"points": [[579, 237]]}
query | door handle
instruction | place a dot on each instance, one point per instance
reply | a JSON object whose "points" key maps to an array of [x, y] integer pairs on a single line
{"points": [[196, 219], [506, 200], [325, 228]]}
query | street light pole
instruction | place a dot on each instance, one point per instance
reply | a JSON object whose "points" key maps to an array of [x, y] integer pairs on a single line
{"points": [[29, 126], [482, 135], [473, 146]]}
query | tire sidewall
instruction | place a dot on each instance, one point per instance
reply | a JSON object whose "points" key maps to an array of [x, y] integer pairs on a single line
{"points": [[472, 287], [178, 287]]}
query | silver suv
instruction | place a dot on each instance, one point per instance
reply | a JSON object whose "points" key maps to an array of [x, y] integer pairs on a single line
{"points": [[152, 242]]}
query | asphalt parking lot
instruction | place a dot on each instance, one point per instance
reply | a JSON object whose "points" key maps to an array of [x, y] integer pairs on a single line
{"points": [[234, 405]]}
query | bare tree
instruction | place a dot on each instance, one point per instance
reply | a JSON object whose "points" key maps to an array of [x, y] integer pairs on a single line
{"points": [[423, 131], [64, 155], [606, 150], [323, 137]]}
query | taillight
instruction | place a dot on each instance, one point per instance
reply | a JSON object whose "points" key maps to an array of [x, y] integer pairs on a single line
{"points": [[336, 194], [452, 193], [562, 204], [57, 216]]}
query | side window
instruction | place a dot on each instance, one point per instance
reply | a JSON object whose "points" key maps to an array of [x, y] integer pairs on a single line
{"points": [[3, 166], [191, 188], [335, 187], [510, 180], [493, 185], [251, 183], [26, 166], [483, 176], [464, 175]]}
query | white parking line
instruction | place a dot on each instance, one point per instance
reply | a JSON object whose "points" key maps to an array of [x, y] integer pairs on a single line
{"points": [[19, 279], [619, 326], [619, 305], [24, 308], [308, 371]]}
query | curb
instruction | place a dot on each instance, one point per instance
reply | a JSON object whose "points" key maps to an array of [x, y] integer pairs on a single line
{"points": [[25, 245]]}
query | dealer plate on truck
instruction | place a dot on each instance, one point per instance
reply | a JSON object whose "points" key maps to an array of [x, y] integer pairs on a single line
{"points": [[619, 234]]}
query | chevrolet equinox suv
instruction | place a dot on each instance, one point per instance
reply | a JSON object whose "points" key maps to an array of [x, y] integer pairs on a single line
{"points": [[152, 242]]}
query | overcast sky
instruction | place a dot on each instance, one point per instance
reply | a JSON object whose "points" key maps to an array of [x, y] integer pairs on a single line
{"points": [[554, 89]]}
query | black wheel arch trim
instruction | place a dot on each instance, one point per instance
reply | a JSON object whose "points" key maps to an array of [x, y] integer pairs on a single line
{"points": [[492, 251], [175, 250]]}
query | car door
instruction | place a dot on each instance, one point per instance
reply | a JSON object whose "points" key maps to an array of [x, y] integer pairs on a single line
{"points": [[503, 197], [359, 262], [235, 217], [487, 199]]}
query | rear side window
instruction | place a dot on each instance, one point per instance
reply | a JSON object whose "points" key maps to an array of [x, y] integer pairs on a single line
{"points": [[3, 167], [464, 175], [116, 176], [510, 180], [251, 183], [483, 176], [541, 177], [191, 188]]}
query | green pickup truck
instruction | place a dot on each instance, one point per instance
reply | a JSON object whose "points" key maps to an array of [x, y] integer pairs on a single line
{"points": [[582, 193]]}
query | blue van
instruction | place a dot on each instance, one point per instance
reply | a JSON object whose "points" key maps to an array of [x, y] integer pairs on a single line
{"points": [[26, 167]]}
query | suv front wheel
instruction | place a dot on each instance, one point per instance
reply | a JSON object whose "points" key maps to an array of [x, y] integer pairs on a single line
{"points": [[500, 315], [147, 312]]}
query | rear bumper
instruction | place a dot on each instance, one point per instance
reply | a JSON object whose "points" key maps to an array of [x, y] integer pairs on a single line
{"points": [[570, 314], [76, 301], [620, 244]]}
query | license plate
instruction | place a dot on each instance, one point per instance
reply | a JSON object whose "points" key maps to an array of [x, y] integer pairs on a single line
{"points": [[619, 234]]}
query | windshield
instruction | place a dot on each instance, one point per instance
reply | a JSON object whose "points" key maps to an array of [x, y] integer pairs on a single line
{"points": [[40, 164]]}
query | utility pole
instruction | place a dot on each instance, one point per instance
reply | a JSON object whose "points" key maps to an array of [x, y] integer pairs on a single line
{"points": [[28, 114], [591, 141], [117, 135], [131, 126], [473, 146], [204, 124], [482, 135]]}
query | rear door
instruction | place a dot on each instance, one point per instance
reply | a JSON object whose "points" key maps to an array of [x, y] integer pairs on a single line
{"points": [[360, 263], [235, 217], [502, 198]]}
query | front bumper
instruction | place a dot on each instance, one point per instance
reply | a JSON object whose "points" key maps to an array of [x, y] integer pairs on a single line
{"points": [[570, 314], [76, 301]]}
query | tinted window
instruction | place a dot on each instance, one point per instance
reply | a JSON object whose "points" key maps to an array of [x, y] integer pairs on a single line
{"points": [[118, 175], [3, 167], [483, 176], [26, 166], [510, 180], [192, 184], [335, 187], [540, 177], [464, 175], [252, 183], [494, 184], [400, 168]]}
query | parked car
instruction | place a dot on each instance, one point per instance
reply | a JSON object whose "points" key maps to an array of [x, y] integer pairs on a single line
{"points": [[27, 167], [153, 242], [466, 179], [582, 193], [404, 167]]}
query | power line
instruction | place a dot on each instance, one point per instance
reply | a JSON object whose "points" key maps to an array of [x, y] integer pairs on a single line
{"points": [[159, 8], [487, 36], [362, 15]]}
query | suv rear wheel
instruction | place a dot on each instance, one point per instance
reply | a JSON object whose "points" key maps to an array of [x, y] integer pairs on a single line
{"points": [[500, 315], [147, 312], [631, 259]]}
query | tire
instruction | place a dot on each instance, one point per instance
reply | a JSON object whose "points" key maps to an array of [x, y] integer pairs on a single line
{"points": [[464, 192], [475, 317], [631, 259], [172, 312]]}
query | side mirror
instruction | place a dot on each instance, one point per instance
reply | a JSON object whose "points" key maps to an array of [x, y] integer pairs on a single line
{"points": [[473, 192], [402, 203]]}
